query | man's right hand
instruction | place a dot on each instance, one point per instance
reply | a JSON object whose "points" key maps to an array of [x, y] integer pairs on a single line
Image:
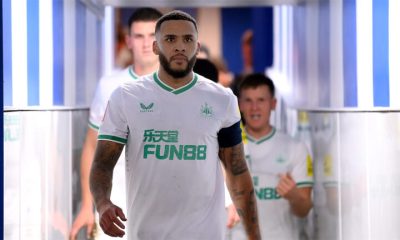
{"points": [[110, 219], [233, 216], [85, 218]]}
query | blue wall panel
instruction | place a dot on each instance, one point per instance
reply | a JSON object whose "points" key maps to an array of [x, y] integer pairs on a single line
{"points": [[263, 38], [350, 53], [324, 53], [7, 44], [381, 52], [80, 53], [33, 51], [235, 21], [58, 53]]}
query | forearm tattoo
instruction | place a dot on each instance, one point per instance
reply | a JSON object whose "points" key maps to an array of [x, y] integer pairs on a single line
{"points": [[241, 188], [239, 165], [248, 214], [233, 159], [106, 156]]}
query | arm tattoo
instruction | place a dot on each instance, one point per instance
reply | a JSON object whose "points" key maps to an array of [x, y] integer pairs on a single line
{"points": [[238, 193], [233, 159], [249, 215], [106, 156], [240, 186], [239, 165]]}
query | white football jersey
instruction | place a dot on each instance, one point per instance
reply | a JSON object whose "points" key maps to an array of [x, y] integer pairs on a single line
{"points": [[103, 92], [267, 157], [173, 174]]}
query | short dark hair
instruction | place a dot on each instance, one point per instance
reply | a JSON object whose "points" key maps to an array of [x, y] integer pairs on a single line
{"points": [[255, 80], [175, 15], [144, 15]]}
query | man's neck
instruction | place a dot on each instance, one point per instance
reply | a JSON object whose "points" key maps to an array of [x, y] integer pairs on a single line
{"points": [[174, 83], [141, 70], [259, 133]]}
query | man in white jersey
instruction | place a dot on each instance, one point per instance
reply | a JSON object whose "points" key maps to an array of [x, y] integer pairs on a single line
{"points": [[281, 167], [140, 41], [176, 126]]}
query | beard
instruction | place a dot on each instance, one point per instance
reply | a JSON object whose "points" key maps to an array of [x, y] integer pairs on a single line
{"points": [[176, 73]]}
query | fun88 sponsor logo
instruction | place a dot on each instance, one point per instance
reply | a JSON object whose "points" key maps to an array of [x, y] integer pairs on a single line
{"points": [[169, 149]]}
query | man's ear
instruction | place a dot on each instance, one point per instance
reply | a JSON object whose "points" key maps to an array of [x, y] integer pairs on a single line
{"points": [[198, 48], [156, 50], [274, 102]]}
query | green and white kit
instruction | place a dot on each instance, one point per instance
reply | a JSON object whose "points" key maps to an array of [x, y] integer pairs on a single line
{"points": [[173, 172], [267, 157]]}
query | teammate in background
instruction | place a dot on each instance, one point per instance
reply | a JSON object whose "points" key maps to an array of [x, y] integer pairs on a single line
{"points": [[247, 52], [140, 42], [281, 167], [176, 125], [247, 60], [225, 77]]}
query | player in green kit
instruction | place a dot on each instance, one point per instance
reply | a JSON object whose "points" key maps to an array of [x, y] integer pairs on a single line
{"points": [[176, 126]]}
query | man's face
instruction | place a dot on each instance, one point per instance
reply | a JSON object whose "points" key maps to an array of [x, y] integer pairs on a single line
{"points": [[256, 105], [140, 41], [177, 47]]}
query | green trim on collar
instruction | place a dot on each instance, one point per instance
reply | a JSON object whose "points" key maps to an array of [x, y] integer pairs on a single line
{"points": [[161, 84], [178, 90], [132, 73]]}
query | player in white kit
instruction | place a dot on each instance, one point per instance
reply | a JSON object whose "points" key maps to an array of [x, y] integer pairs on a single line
{"points": [[281, 167], [176, 126], [140, 41]]}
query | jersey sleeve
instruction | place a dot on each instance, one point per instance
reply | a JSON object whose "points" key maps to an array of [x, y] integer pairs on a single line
{"points": [[98, 107], [302, 172], [114, 126], [232, 115]]}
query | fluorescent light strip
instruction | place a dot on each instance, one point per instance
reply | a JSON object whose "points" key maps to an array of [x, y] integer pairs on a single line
{"points": [[46, 53], [336, 54], [277, 41], [290, 61], [19, 53], [364, 54], [91, 51], [394, 53], [284, 40], [312, 55], [69, 53], [108, 40]]}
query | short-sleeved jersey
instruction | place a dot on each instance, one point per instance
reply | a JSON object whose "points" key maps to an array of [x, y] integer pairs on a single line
{"points": [[174, 179], [267, 157], [103, 92]]}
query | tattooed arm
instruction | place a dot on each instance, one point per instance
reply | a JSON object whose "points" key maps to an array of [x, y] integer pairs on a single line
{"points": [[106, 156], [240, 186]]}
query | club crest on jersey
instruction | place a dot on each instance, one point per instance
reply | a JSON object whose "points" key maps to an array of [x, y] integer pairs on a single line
{"points": [[206, 110], [280, 160], [148, 108]]}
